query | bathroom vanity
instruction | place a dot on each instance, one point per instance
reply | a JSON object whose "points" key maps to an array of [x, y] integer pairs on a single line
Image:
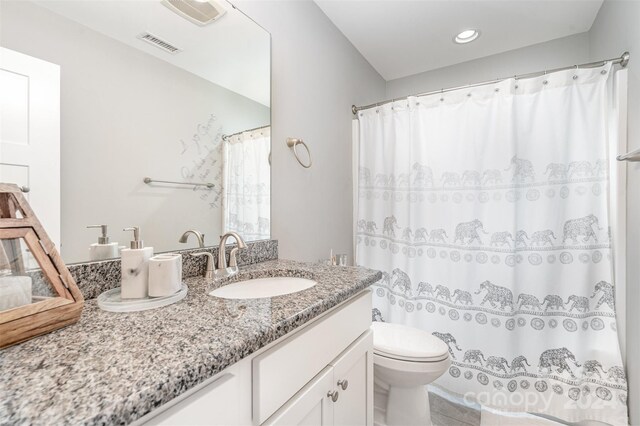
{"points": [[304, 357], [321, 374]]}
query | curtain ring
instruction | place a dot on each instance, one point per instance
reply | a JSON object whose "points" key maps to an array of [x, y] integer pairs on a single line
{"points": [[293, 143]]}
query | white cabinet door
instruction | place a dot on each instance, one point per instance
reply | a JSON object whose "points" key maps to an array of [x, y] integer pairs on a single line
{"points": [[353, 378], [309, 407], [30, 133]]}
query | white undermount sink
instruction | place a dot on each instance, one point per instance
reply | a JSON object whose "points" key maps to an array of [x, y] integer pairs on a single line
{"points": [[263, 287]]}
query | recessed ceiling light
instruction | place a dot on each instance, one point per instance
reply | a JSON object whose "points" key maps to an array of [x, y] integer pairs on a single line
{"points": [[466, 36]]}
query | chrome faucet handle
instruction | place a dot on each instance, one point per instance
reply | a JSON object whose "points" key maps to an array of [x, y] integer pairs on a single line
{"points": [[233, 261], [209, 271]]}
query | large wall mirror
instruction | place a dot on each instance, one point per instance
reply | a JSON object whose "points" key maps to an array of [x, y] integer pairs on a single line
{"points": [[144, 113]]}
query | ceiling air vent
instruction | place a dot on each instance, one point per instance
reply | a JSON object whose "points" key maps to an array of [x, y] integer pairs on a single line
{"points": [[200, 12], [159, 43]]}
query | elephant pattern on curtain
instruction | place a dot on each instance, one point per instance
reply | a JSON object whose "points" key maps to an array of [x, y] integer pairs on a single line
{"points": [[487, 211]]}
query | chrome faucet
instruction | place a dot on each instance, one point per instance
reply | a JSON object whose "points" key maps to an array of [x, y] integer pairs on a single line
{"points": [[223, 270], [199, 237]]}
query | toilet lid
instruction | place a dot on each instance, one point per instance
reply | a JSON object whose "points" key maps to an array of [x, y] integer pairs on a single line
{"points": [[407, 343]]}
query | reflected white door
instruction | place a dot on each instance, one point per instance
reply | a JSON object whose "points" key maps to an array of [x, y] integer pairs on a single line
{"points": [[30, 133]]}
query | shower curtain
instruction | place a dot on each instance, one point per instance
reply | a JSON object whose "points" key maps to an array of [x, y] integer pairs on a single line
{"points": [[487, 211], [246, 182]]}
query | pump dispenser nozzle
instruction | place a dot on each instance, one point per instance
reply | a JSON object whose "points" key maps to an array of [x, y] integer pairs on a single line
{"points": [[104, 239], [136, 243]]}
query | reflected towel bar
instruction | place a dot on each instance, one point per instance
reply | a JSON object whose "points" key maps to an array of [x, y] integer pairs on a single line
{"points": [[148, 180], [633, 156]]}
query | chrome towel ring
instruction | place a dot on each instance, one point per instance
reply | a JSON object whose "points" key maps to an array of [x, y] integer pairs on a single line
{"points": [[293, 143]]}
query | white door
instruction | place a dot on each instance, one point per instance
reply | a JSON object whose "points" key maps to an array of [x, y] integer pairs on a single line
{"points": [[311, 406], [353, 378], [30, 133]]}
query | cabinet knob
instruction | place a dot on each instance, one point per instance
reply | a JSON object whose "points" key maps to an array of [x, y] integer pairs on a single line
{"points": [[344, 384], [333, 395]]}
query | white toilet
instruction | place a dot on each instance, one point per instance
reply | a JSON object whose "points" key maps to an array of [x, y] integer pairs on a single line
{"points": [[405, 360]]}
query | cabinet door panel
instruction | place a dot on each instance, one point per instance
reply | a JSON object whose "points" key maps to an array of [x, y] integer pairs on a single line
{"points": [[309, 407], [353, 369], [313, 417]]}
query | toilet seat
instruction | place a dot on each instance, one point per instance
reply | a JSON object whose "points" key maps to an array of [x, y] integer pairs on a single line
{"points": [[405, 360], [411, 359], [406, 344], [412, 367]]}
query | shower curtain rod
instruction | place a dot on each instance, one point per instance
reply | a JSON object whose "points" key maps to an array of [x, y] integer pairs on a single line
{"points": [[622, 60], [225, 137]]}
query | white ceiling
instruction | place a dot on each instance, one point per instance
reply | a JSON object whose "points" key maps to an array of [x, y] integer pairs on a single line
{"points": [[233, 52], [401, 38]]}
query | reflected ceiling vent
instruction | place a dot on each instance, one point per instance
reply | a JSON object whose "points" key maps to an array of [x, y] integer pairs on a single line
{"points": [[159, 43], [200, 12]]}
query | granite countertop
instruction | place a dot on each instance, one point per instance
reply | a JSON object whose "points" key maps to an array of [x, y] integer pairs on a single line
{"points": [[113, 368]]}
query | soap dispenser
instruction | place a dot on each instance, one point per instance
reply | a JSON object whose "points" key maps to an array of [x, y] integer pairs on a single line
{"points": [[103, 249], [135, 268]]}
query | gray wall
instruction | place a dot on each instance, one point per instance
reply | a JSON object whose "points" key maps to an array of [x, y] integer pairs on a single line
{"points": [[552, 54], [616, 29], [316, 76], [123, 116]]}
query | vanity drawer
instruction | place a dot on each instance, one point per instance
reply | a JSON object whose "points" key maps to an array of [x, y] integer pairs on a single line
{"points": [[286, 368], [214, 404]]}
